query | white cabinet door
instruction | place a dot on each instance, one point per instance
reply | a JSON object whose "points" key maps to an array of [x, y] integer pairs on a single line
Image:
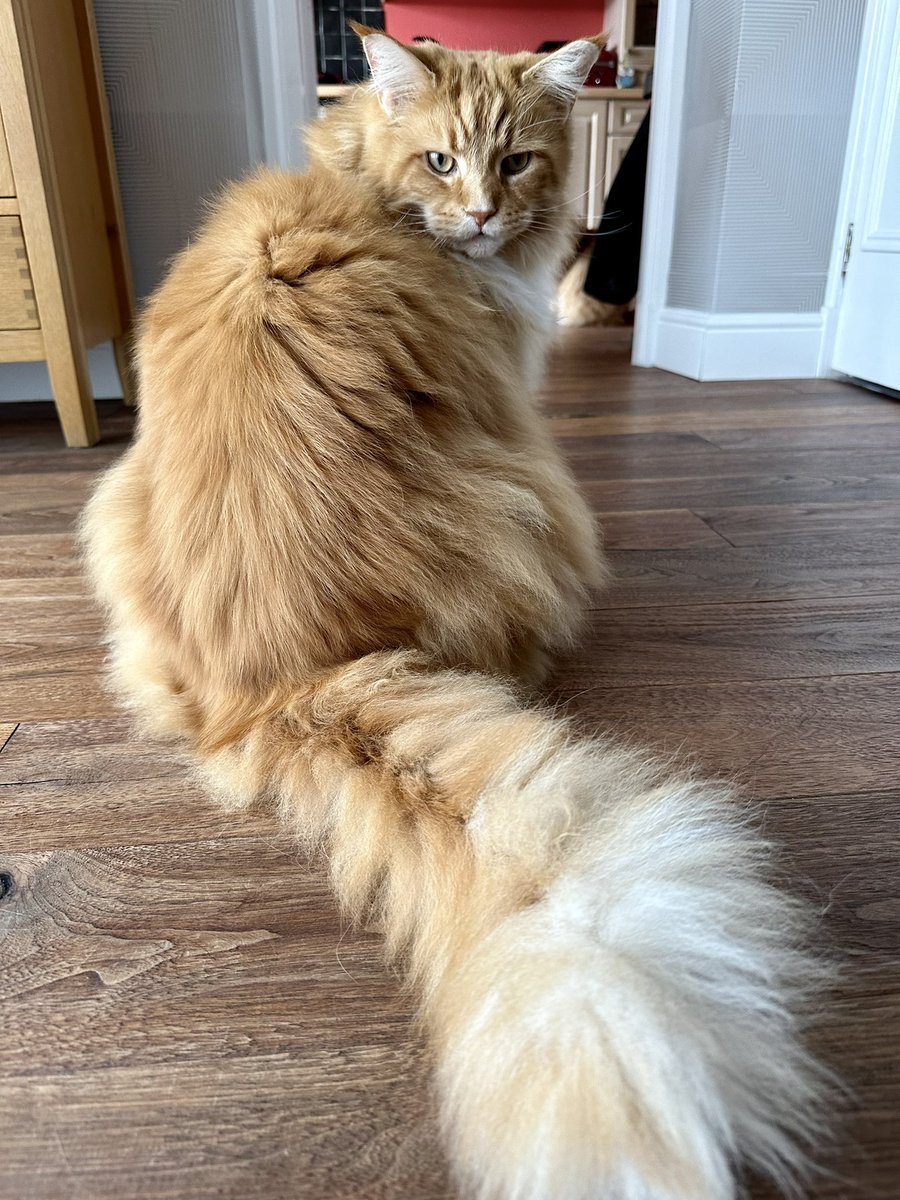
{"points": [[868, 333], [596, 194], [602, 131], [580, 168], [585, 187]]}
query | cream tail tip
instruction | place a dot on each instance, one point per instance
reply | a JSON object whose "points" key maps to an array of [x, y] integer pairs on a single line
{"points": [[631, 1036]]}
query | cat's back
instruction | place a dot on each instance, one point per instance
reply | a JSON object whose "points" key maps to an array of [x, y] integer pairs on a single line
{"points": [[327, 411], [288, 227], [310, 258]]}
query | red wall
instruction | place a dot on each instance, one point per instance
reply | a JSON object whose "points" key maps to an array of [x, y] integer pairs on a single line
{"points": [[472, 25]]}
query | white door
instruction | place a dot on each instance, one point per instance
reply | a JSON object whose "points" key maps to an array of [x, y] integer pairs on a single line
{"points": [[867, 344]]}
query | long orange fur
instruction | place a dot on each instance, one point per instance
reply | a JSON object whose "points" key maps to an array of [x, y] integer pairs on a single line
{"points": [[341, 542]]}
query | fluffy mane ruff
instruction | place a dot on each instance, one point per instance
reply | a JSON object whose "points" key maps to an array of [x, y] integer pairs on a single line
{"points": [[342, 541]]}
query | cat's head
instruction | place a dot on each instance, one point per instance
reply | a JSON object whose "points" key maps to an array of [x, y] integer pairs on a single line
{"points": [[473, 145]]}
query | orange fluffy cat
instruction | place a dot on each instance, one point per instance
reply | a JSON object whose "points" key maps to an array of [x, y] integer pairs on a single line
{"points": [[342, 541]]}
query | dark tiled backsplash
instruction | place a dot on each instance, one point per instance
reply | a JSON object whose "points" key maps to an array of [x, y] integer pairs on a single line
{"points": [[338, 48]]}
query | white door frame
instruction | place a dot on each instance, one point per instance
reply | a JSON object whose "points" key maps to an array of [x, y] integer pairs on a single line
{"points": [[669, 73], [286, 46], [878, 27], [708, 345]]}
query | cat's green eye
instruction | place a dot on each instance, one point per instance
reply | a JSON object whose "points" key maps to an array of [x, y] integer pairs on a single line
{"points": [[515, 164], [441, 164]]}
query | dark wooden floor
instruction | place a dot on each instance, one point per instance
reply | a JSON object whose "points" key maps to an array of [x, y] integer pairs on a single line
{"points": [[183, 1015]]}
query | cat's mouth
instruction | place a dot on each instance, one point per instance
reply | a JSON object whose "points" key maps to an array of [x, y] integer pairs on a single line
{"points": [[480, 244]]}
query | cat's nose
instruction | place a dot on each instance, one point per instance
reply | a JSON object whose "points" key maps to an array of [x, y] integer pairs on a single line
{"points": [[482, 215]]}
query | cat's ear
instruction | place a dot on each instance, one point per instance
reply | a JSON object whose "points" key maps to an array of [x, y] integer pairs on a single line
{"points": [[562, 73], [397, 74]]}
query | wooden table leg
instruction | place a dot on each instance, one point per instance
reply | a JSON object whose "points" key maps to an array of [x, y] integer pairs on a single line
{"points": [[71, 383]]}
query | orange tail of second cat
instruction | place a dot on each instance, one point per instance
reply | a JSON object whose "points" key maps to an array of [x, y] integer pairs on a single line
{"points": [[609, 983]]}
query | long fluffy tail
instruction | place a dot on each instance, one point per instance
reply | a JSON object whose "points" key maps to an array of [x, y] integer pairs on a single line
{"points": [[610, 983]]}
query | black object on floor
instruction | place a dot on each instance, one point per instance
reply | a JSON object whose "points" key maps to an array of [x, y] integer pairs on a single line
{"points": [[616, 253]]}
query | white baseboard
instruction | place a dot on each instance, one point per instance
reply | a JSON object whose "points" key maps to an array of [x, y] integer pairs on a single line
{"points": [[736, 345]]}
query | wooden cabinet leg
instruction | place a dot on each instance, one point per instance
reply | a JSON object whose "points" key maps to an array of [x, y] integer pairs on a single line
{"points": [[122, 346], [71, 383]]}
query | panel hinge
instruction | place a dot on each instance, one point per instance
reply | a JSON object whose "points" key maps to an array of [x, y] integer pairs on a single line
{"points": [[848, 244]]}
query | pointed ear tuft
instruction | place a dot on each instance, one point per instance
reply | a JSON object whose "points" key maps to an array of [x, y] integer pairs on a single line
{"points": [[598, 39], [398, 76], [562, 73], [361, 31]]}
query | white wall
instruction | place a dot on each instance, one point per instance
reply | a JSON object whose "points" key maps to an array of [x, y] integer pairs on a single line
{"points": [[760, 121], [199, 92]]}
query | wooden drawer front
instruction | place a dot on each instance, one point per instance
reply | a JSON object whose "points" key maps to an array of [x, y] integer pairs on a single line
{"points": [[625, 116], [17, 305], [7, 186]]}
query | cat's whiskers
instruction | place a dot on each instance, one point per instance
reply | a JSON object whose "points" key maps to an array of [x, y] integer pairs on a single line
{"points": [[564, 204]]}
